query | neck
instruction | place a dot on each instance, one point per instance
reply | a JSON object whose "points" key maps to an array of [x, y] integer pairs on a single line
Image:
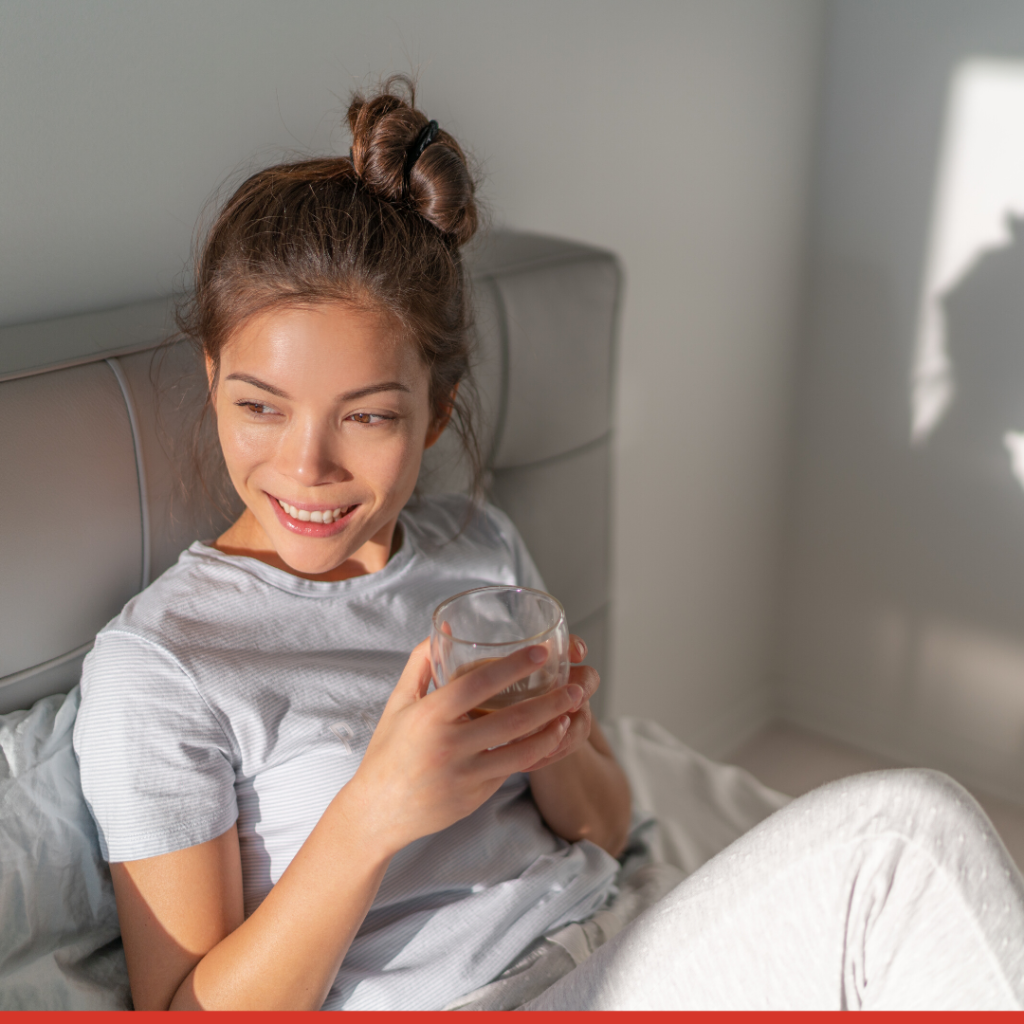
{"points": [[371, 557]]}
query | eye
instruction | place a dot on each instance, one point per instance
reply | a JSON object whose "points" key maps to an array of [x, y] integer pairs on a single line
{"points": [[370, 419], [257, 409]]}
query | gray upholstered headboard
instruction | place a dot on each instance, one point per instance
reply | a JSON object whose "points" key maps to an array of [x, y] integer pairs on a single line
{"points": [[90, 410]]}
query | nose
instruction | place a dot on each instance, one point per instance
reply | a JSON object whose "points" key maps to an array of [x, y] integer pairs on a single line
{"points": [[309, 454]]}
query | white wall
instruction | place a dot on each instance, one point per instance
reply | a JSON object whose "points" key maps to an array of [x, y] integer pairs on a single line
{"points": [[676, 133], [904, 623]]}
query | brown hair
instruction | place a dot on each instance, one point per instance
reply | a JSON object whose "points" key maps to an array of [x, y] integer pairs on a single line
{"points": [[366, 229]]}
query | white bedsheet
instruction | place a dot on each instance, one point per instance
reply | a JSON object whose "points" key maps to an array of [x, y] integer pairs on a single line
{"points": [[59, 940], [700, 805]]}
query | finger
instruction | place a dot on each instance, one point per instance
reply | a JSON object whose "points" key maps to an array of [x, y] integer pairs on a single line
{"points": [[580, 726], [469, 691], [586, 678], [518, 719], [415, 678], [577, 648], [557, 754], [520, 754]]}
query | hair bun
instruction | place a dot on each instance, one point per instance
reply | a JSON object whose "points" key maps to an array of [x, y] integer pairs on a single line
{"points": [[438, 186]]}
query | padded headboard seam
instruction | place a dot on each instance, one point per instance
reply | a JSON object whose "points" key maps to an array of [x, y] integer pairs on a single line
{"points": [[140, 467], [503, 340], [559, 456], [32, 670], [92, 357]]}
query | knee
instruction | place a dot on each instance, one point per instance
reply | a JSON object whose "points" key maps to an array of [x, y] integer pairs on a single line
{"points": [[919, 786], [912, 802]]}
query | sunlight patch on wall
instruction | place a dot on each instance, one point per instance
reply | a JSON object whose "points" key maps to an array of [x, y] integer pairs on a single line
{"points": [[980, 184], [1014, 442]]}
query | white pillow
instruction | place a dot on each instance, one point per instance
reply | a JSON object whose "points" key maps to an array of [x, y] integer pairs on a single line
{"points": [[60, 945]]}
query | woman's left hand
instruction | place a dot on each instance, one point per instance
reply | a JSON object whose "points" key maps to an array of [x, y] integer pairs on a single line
{"points": [[579, 788], [580, 717]]}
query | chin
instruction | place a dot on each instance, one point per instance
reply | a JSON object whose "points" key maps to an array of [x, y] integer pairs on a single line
{"points": [[311, 563]]}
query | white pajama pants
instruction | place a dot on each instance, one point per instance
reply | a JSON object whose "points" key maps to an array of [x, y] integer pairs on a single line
{"points": [[889, 890]]}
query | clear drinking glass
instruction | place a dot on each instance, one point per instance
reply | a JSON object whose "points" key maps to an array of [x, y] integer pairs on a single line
{"points": [[482, 625]]}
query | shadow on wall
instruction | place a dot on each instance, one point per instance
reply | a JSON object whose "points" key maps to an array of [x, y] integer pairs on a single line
{"points": [[967, 518], [903, 628], [980, 183]]}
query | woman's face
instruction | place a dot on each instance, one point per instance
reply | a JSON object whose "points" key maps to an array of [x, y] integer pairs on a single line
{"points": [[323, 415]]}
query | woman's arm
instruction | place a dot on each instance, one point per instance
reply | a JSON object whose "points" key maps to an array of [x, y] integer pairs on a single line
{"points": [[426, 767], [185, 940], [581, 791], [585, 795]]}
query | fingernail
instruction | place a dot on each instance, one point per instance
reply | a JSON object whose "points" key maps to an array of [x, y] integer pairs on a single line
{"points": [[581, 648], [575, 694], [563, 723], [538, 654]]}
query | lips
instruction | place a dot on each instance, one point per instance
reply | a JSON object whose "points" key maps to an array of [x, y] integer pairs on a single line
{"points": [[312, 521]]}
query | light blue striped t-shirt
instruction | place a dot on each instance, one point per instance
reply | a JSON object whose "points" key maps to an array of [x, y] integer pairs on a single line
{"points": [[230, 689]]}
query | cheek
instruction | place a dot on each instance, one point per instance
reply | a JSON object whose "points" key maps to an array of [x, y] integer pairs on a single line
{"points": [[242, 448], [390, 466]]}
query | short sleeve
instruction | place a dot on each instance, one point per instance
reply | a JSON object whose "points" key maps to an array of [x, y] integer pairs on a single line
{"points": [[526, 573], [156, 764]]}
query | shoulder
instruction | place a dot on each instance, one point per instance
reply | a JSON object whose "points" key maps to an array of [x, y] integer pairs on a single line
{"points": [[451, 527], [439, 520], [180, 606], [140, 661], [156, 761], [133, 683]]}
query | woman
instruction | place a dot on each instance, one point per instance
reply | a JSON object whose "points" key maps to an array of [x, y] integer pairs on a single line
{"points": [[251, 763], [287, 825]]}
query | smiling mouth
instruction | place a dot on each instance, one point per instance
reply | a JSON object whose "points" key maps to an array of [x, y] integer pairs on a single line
{"points": [[327, 515]]}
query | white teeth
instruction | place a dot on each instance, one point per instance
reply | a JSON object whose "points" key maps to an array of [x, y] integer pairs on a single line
{"points": [[326, 516]]}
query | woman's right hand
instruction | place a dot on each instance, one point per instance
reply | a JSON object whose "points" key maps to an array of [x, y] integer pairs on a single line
{"points": [[429, 765]]}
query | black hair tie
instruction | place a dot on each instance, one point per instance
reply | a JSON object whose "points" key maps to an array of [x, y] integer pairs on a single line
{"points": [[426, 136]]}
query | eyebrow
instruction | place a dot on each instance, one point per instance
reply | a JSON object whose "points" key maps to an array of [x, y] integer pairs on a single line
{"points": [[348, 396]]}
